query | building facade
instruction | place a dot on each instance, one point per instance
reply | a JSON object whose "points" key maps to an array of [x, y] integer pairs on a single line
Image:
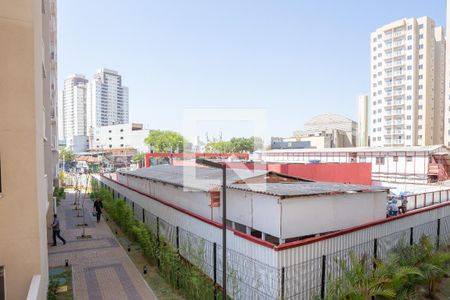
{"points": [[74, 112], [328, 131], [107, 100], [363, 113], [122, 136], [407, 82], [28, 128]]}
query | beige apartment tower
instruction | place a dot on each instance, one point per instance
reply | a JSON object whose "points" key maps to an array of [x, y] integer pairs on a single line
{"points": [[407, 84], [28, 144], [363, 113]]}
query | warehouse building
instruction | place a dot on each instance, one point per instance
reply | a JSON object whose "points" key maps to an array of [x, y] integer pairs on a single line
{"points": [[416, 165], [267, 205]]}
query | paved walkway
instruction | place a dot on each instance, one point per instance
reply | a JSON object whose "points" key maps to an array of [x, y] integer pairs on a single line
{"points": [[101, 268]]}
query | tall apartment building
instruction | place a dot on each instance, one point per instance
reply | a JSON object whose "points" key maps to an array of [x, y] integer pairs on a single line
{"points": [[28, 144], [74, 112], [447, 81], [407, 83], [107, 100]]}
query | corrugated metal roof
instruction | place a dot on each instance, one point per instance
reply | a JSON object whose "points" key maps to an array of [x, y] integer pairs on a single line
{"points": [[360, 149], [204, 179], [298, 189], [200, 178]]}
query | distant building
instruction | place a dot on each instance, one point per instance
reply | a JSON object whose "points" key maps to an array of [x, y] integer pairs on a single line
{"points": [[407, 83], [363, 130], [107, 100], [328, 131], [416, 165], [74, 113], [288, 143], [121, 136]]}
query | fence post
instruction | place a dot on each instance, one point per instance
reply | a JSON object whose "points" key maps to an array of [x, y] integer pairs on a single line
{"points": [[215, 269], [424, 199], [440, 196], [143, 215], [375, 252], [432, 198], [415, 201], [178, 251], [157, 242], [322, 286], [282, 283], [438, 233], [411, 236]]}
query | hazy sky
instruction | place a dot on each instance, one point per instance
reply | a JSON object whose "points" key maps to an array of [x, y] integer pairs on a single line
{"points": [[293, 58]]}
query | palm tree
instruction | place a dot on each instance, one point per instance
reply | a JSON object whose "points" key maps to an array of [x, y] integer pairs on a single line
{"points": [[358, 282]]}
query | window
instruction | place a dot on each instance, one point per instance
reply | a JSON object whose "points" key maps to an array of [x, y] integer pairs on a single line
{"points": [[420, 67], [420, 86], [420, 106], [408, 137], [409, 47], [121, 137], [395, 158], [420, 76], [408, 107], [409, 57], [121, 130], [409, 87], [109, 131], [409, 27], [121, 145], [420, 26], [420, 36], [420, 56], [409, 37], [409, 77], [380, 160], [409, 158], [408, 127], [420, 46], [409, 68], [109, 138]]}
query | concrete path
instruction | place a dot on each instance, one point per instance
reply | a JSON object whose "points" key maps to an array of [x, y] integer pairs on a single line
{"points": [[101, 268]]}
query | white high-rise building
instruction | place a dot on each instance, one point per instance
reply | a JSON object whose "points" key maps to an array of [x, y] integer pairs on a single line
{"points": [[107, 100], [407, 83], [74, 106], [447, 81]]}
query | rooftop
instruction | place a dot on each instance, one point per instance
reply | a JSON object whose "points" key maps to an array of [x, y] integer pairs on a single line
{"points": [[205, 179], [363, 149]]}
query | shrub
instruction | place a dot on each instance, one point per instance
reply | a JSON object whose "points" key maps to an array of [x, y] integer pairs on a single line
{"points": [[179, 273]]}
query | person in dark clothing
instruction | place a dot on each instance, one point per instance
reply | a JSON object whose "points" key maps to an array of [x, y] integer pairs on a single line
{"points": [[98, 205], [56, 230]]}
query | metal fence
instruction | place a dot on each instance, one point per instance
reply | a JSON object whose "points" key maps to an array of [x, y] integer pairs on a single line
{"points": [[248, 278], [312, 278]]}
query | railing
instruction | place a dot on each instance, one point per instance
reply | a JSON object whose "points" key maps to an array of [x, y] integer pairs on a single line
{"points": [[303, 269], [427, 199]]}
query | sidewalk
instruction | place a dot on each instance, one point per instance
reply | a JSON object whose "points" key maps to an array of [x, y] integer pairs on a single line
{"points": [[101, 268]]}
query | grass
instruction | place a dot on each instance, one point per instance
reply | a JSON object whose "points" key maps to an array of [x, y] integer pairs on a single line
{"points": [[61, 277], [160, 287]]}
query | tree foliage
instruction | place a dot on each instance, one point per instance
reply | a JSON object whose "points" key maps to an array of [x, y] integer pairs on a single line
{"points": [[235, 145], [66, 154], [165, 141]]}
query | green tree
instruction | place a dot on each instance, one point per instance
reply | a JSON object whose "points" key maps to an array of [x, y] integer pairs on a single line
{"points": [[139, 158], [165, 141], [66, 155]]}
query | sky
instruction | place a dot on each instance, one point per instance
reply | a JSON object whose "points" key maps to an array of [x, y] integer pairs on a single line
{"points": [[293, 59]]}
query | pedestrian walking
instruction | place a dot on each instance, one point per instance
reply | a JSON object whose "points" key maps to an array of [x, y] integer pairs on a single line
{"points": [[56, 230], [98, 205], [404, 204]]}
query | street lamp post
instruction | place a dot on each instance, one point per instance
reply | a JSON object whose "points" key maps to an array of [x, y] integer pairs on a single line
{"points": [[223, 167]]}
